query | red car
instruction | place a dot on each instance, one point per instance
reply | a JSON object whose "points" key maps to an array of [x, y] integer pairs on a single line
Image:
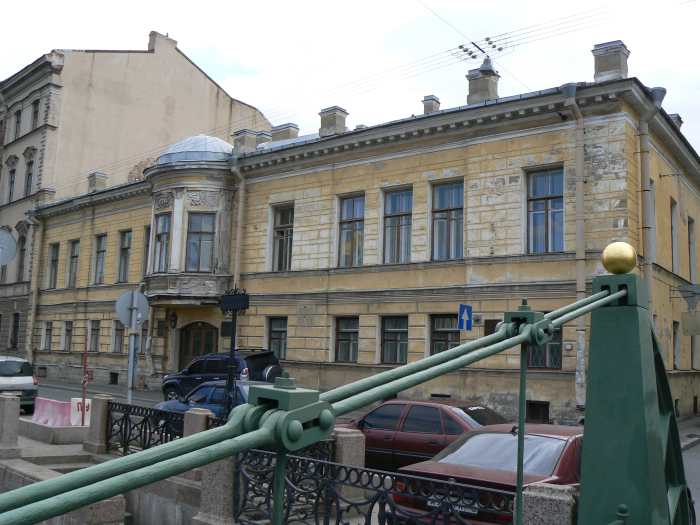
{"points": [[486, 460], [401, 432]]}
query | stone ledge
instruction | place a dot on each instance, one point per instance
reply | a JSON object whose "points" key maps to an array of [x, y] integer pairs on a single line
{"points": [[52, 435]]}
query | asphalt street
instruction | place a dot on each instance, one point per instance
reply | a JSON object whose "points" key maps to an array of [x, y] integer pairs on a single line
{"points": [[691, 460], [64, 391]]}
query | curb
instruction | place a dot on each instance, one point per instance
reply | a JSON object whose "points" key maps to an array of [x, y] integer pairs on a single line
{"points": [[690, 443]]}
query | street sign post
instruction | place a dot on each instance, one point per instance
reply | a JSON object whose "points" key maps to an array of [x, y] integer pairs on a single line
{"points": [[132, 311], [465, 317], [233, 301]]}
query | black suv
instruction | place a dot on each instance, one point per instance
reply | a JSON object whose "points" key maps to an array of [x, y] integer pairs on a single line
{"points": [[254, 365]]}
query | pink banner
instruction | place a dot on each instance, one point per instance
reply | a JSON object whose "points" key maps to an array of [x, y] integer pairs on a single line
{"points": [[51, 412]]}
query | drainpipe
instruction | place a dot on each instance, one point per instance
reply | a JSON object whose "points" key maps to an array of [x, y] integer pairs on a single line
{"points": [[239, 223], [648, 193], [569, 91], [34, 282]]}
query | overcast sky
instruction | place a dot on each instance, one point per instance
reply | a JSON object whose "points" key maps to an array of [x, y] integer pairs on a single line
{"points": [[377, 59]]}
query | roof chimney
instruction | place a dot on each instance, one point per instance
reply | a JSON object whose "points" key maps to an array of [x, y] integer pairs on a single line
{"points": [[483, 83], [97, 181], [285, 131], [677, 120], [332, 121], [610, 60], [245, 141], [158, 41], [262, 137], [431, 104]]}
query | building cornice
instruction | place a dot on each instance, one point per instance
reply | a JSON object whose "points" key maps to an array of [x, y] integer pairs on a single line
{"points": [[48, 64], [113, 194]]}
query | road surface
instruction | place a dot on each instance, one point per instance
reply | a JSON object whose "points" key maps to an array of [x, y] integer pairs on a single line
{"points": [[63, 391]]}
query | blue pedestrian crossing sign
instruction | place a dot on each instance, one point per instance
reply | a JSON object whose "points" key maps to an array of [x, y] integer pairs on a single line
{"points": [[465, 318]]}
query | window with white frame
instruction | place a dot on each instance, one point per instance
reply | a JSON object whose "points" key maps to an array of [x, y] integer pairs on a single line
{"points": [[73, 257], [35, 114], [161, 255], [448, 221], [277, 336], [398, 206], [48, 335], [53, 264], [118, 337], [67, 336], [28, 178], [94, 336], [545, 211], [394, 340], [282, 238], [200, 242], [547, 356], [444, 333], [100, 256], [124, 255], [351, 231], [346, 339]]}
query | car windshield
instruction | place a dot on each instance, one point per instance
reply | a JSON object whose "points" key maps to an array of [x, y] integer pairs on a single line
{"points": [[15, 368], [493, 450], [200, 395], [483, 415]]}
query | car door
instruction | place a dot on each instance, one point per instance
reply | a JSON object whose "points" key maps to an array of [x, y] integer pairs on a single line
{"points": [[194, 375], [420, 436], [453, 426], [379, 427]]}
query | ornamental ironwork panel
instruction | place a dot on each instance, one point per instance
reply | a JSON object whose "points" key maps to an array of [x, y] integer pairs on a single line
{"points": [[131, 428], [320, 491]]}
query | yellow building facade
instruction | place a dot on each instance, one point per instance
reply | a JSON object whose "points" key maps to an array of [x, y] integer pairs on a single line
{"points": [[357, 247]]}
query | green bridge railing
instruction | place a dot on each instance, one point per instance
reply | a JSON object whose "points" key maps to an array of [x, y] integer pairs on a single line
{"points": [[631, 452]]}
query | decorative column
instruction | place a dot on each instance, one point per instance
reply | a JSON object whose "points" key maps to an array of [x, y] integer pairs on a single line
{"points": [[96, 440]]}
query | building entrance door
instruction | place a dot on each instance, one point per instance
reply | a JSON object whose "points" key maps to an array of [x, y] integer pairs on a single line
{"points": [[197, 339]]}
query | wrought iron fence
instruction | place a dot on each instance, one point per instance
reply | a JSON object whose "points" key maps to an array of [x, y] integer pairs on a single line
{"points": [[321, 491], [131, 428]]}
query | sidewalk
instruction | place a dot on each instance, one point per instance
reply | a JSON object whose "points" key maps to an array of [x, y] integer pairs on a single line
{"points": [[64, 390], [689, 432]]}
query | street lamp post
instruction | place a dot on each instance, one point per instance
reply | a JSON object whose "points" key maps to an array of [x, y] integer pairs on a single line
{"points": [[233, 301]]}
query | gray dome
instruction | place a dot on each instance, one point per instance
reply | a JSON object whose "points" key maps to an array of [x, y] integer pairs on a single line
{"points": [[196, 149]]}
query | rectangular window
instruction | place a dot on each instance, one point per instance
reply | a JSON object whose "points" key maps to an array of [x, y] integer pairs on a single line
{"points": [[146, 249], [694, 357], [28, 176], [11, 186], [283, 234], [21, 257], [447, 221], [35, 114], [118, 337], [14, 332], [53, 264], [346, 339], [94, 336], [675, 263], [200, 242], [394, 340], [351, 234], [18, 123], [545, 211], [691, 250], [100, 255], [124, 255], [278, 336], [444, 333], [67, 336], [3, 273], [48, 335], [547, 356], [143, 342], [162, 252], [398, 206], [676, 345], [73, 256]]}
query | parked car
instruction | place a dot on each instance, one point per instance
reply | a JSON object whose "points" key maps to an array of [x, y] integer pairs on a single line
{"points": [[486, 459], [17, 377], [401, 432], [253, 364], [210, 395]]}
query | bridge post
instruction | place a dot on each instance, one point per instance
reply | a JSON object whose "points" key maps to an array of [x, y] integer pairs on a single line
{"points": [[9, 426], [631, 452]]}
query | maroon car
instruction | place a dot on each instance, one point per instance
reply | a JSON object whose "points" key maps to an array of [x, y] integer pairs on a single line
{"points": [[486, 460], [401, 432]]}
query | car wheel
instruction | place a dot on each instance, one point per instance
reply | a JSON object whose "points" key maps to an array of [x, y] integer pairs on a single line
{"points": [[171, 392], [271, 372]]}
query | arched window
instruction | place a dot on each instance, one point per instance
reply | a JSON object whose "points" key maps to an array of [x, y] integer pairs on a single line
{"points": [[21, 254]]}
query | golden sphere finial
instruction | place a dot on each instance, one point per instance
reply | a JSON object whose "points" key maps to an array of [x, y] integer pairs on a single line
{"points": [[619, 257]]}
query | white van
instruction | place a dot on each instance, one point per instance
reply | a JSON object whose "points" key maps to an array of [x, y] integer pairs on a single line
{"points": [[17, 377]]}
